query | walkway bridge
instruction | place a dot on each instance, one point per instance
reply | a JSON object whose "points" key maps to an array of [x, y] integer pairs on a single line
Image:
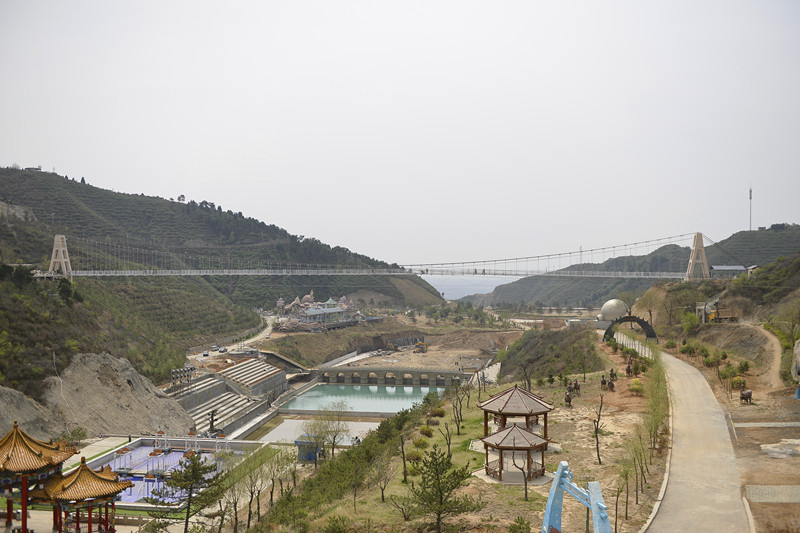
{"points": [[369, 375], [102, 259]]}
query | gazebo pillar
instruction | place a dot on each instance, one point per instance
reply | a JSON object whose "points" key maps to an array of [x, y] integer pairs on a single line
{"points": [[542, 448], [106, 524], [77, 520], [500, 465], [545, 426], [10, 505], [89, 522], [114, 513], [56, 515], [486, 424], [24, 504]]}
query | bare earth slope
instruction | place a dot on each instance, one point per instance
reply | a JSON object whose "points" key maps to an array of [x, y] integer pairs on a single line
{"points": [[100, 393]]}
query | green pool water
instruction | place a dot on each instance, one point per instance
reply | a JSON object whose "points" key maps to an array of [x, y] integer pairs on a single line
{"points": [[361, 398]]}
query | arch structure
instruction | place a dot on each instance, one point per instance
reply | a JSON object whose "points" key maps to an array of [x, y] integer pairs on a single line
{"points": [[392, 376], [649, 332]]}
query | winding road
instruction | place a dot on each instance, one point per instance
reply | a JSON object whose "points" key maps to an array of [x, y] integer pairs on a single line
{"points": [[703, 492]]}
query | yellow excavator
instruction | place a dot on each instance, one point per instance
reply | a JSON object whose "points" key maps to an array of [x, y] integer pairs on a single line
{"points": [[421, 347]]}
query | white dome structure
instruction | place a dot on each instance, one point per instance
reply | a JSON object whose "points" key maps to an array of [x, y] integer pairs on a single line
{"points": [[612, 310]]}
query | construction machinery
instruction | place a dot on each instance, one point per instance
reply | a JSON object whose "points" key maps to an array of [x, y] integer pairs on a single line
{"points": [[720, 315], [421, 347], [391, 346]]}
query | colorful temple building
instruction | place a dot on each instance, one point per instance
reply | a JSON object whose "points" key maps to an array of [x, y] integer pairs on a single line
{"points": [[30, 472]]}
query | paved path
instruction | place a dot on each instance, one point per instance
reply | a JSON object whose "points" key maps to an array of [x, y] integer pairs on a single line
{"points": [[703, 492]]}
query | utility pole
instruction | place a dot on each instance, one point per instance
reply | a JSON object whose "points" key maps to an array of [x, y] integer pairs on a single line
{"points": [[751, 208]]}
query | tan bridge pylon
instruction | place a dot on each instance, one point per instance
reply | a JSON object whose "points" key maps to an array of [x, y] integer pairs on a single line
{"points": [[59, 261], [698, 257]]}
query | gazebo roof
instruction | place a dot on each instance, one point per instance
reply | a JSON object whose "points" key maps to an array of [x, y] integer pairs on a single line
{"points": [[516, 402], [81, 484], [21, 454], [514, 438]]}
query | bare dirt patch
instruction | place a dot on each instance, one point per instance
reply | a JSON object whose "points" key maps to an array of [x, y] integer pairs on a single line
{"points": [[461, 351]]}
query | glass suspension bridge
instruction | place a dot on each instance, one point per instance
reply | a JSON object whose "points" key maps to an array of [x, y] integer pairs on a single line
{"points": [[90, 258]]}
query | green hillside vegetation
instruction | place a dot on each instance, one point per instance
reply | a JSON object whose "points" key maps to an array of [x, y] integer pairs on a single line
{"points": [[771, 283], [43, 323], [542, 354], [744, 248], [193, 233]]}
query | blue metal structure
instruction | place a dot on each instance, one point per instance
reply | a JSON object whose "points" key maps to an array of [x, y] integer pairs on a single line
{"points": [[591, 498]]}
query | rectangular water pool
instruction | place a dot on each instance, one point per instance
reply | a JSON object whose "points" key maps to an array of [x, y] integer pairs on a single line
{"points": [[381, 399]]}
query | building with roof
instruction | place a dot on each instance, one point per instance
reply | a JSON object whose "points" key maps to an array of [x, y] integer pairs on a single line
{"points": [[24, 462], [323, 315], [82, 489], [514, 439], [30, 471], [515, 403]]}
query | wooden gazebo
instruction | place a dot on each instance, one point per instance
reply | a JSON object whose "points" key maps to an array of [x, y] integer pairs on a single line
{"points": [[82, 489], [515, 402], [25, 461], [513, 439]]}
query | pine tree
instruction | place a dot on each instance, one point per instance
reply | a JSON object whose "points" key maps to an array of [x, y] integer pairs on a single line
{"points": [[195, 483], [435, 494]]}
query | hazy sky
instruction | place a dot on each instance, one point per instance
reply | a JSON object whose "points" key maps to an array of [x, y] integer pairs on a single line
{"points": [[420, 131]]}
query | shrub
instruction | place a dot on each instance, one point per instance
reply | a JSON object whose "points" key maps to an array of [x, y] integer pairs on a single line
{"points": [[636, 387], [412, 456], [420, 443], [738, 382], [433, 422], [690, 322], [728, 372], [669, 344], [427, 431], [744, 366], [336, 524], [520, 525], [438, 412]]}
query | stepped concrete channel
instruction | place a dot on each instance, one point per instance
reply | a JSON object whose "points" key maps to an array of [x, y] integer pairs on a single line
{"points": [[235, 396]]}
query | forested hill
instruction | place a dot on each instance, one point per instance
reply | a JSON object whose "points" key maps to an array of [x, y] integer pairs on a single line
{"points": [[744, 248], [51, 204]]}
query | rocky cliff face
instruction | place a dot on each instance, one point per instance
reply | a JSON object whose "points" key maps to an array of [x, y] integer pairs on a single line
{"points": [[100, 393]]}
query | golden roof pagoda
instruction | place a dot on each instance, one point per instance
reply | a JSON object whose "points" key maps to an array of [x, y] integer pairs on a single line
{"points": [[21, 454], [81, 484]]}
